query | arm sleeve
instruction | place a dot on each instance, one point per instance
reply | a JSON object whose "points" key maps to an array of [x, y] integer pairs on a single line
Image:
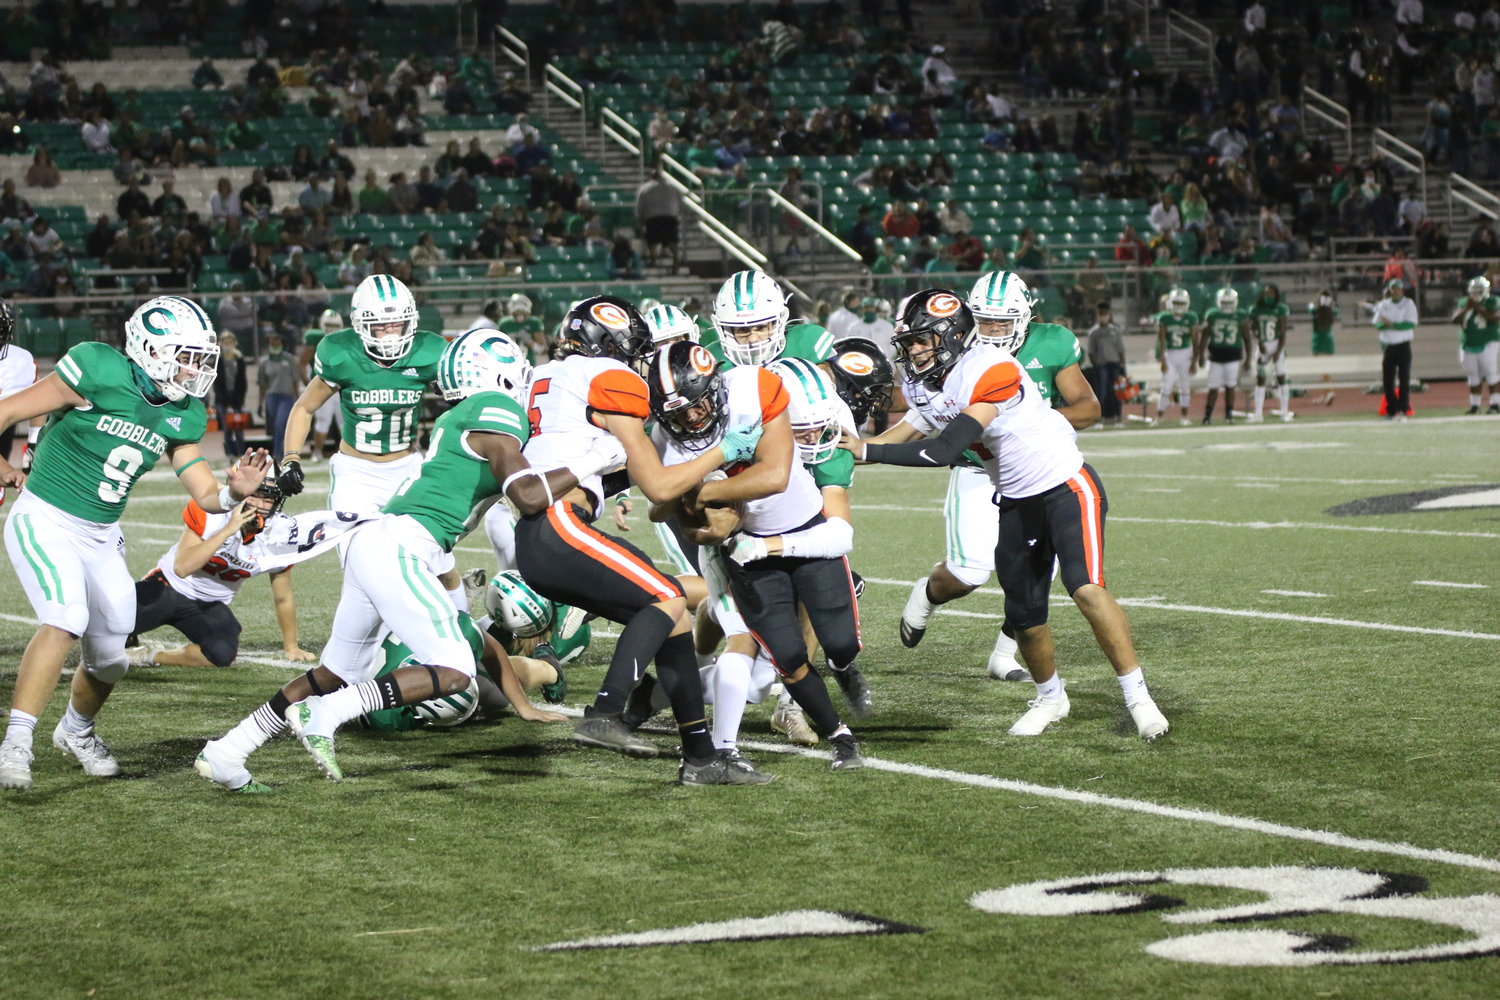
{"points": [[829, 540], [932, 453]]}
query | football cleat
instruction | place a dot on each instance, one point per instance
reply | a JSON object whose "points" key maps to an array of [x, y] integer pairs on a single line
{"points": [[309, 722], [846, 755], [788, 719], [92, 752], [608, 732], [725, 767], [1471, 411], [1149, 721], [1286, 416], [915, 615], [15, 767], [556, 691], [1252, 418], [1041, 713], [1494, 408], [226, 769], [851, 681], [475, 581], [1003, 665]]}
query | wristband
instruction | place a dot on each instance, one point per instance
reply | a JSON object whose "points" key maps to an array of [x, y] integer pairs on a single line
{"points": [[32, 433], [227, 501], [505, 486]]}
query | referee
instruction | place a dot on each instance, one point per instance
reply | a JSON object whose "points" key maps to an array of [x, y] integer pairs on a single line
{"points": [[1396, 319]]}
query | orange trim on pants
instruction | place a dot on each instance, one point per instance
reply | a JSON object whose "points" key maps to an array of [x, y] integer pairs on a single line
{"points": [[597, 546], [1086, 490]]}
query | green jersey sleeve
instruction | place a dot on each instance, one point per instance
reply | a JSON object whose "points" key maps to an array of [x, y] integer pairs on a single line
{"points": [[837, 471], [808, 341]]}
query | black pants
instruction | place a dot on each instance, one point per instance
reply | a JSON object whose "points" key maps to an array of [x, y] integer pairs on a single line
{"points": [[1066, 522], [568, 560], [209, 624], [7, 438], [1104, 387], [768, 591], [1395, 377]]}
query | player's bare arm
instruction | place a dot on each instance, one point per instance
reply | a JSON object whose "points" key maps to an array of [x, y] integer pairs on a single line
{"points": [[299, 421], [1080, 404], [195, 550], [243, 478], [43, 397], [659, 482], [532, 493], [286, 617], [497, 664], [767, 475]]}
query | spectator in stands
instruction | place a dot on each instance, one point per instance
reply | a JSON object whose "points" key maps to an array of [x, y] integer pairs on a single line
{"points": [[1030, 260], [132, 202], [236, 314], [380, 131], [457, 98], [489, 241], [426, 252], [372, 197], [411, 127], [1399, 267], [321, 103], [224, 203], [44, 240], [97, 242], [939, 81], [702, 160], [1412, 212], [624, 262], [512, 97], [900, 222], [41, 280], [260, 70], [192, 143], [169, 202], [319, 234], [429, 192], [1092, 284], [462, 195], [1131, 250], [476, 161], [1482, 242], [340, 197], [242, 135], [658, 206], [15, 247], [864, 234], [519, 131], [531, 155], [403, 194], [96, 132], [334, 163], [355, 267], [352, 129], [966, 252], [314, 197], [1276, 236], [43, 173], [205, 77], [255, 197], [662, 130], [13, 208]]}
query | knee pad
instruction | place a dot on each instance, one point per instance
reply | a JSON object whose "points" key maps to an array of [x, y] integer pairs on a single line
{"points": [[1020, 616], [969, 576], [104, 657], [843, 651], [221, 650]]}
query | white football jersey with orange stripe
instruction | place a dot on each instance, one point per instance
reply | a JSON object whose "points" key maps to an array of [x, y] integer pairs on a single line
{"points": [[566, 398], [220, 578], [756, 395], [1037, 448]]}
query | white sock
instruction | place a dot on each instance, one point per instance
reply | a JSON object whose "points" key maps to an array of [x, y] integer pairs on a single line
{"points": [[731, 689], [459, 599], [1474, 396], [20, 728], [1050, 689], [253, 731], [1133, 686], [351, 702], [76, 724], [1284, 391], [1260, 400], [1005, 646]]}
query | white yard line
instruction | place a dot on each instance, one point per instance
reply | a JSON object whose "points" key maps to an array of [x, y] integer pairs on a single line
{"points": [[1296, 593], [1445, 583]]}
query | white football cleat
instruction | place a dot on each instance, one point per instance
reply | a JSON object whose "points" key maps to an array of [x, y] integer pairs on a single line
{"points": [[92, 752], [1149, 721], [1286, 416], [915, 615], [1042, 713], [1186, 422], [1003, 665], [789, 719], [15, 767], [222, 766]]}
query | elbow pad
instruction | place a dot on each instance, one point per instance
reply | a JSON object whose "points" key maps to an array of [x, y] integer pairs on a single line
{"points": [[829, 540]]}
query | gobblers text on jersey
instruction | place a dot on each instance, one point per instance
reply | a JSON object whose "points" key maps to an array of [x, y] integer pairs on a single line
{"points": [[379, 397], [134, 433]]}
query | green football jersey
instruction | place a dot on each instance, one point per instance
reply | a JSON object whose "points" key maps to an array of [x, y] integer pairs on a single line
{"points": [[1179, 329], [1222, 335], [803, 340], [1047, 350], [90, 458], [1266, 320], [837, 471], [377, 403], [396, 654], [448, 497], [1476, 331]]}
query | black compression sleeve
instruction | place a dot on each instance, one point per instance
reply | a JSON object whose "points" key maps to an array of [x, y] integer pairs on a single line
{"points": [[937, 452]]}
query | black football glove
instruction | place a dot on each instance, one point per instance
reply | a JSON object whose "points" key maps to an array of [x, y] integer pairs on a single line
{"points": [[290, 479]]}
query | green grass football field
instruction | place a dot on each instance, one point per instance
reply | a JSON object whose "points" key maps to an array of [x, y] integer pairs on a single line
{"points": [[1330, 679]]}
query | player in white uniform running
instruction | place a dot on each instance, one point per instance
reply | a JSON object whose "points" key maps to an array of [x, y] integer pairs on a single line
{"points": [[1051, 506]]}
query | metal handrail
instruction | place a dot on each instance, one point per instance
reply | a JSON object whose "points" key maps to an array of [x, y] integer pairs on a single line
{"points": [[1472, 195], [567, 90], [1315, 102], [674, 173], [813, 224], [510, 45], [626, 135], [680, 177], [1194, 32], [1403, 154]]}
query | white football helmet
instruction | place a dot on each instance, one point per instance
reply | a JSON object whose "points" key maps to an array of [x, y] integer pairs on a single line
{"points": [[814, 407], [332, 321], [484, 361], [517, 608], [449, 710], [747, 300], [382, 299], [1479, 288], [1178, 301], [1001, 295], [669, 323], [1228, 300], [518, 303], [170, 337]]}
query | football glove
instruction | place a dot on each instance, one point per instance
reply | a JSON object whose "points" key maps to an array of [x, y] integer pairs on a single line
{"points": [[290, 479], [738, 444], [747, 549]]}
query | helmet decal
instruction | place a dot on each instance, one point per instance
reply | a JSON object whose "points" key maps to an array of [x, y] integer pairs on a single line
{"points": [[858, 363], [702, 361], [610, 315], [943, 305]]}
